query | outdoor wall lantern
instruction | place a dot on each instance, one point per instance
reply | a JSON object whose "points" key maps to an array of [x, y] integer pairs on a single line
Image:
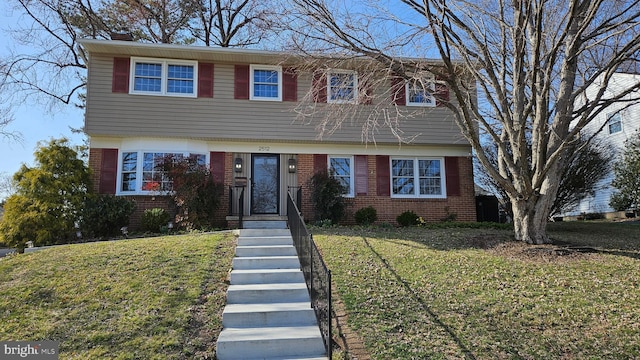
{"points": [[238, 165], [292, 165]]}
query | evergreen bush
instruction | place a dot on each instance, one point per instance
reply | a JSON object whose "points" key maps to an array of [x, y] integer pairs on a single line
{"points": [[366, 216], [407, 218], [153, 220], [327, 197]]}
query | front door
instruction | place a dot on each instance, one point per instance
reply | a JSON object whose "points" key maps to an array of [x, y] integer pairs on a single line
{"points": [[265, 184]]}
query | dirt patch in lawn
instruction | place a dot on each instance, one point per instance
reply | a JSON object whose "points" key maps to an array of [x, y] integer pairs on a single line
{"points": [[543, 253]]}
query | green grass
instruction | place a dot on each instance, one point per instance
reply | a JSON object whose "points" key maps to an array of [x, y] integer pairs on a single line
{"points": [[153, 298], [454, 293], [413, 293]]}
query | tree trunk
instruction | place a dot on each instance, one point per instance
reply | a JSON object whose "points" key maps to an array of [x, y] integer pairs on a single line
{"points": [[530, 220]]}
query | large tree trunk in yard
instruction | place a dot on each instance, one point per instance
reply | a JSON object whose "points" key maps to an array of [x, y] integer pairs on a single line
{"points": [[530, 216], [530, 221]]}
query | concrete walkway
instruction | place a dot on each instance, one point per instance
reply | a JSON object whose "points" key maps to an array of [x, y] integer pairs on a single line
{"points": [[268, 313]]}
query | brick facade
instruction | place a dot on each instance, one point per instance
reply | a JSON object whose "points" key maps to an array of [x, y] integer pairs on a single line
{"points": [[432, 210], [95, 159]]}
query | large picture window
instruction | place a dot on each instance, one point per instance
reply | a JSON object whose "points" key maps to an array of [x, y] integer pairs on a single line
{"points": [[342, 86], [341, 168], [417, 177], [163, 77], [140, 172]]}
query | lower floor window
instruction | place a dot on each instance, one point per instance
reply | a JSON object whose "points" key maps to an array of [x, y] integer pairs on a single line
{"points": [[417, 177], [341, 169], [143, 172]]}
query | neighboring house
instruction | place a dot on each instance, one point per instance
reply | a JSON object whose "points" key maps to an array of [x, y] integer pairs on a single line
{"points": [[235, 110], [618, 123]]}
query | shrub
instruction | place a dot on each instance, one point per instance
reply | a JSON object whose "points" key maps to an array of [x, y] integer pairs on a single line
{"points": [[620, 202], [327, 197], [366, 216], [386, 226], [594, 216], [407, 218], [154, 220], [105, 215], [195, 192]]}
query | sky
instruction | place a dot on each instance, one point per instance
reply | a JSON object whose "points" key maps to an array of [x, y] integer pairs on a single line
{"points": [[33, 122]]}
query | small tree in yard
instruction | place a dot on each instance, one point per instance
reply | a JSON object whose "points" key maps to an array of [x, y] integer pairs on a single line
{"points": [[194, 191], [327, 197], [48, 199], [627, 177]]}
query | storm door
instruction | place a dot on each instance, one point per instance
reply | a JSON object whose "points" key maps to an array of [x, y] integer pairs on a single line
{"points": [[265, 184]]}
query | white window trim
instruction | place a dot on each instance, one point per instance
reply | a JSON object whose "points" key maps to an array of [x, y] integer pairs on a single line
{"points": [[165, 74], [416, 187], [609, 117], [251, 82], [139, 169], [355, 86], [430, 79], [351, 192]]}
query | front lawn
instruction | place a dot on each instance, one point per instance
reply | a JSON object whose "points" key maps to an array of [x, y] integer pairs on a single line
{"points": [[153, 298], [469, 293]]}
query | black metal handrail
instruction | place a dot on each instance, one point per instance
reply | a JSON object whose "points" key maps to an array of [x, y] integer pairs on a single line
{"points": [[316, 273], [240, 204], [230, 210], [296, 193], [241, 208]]}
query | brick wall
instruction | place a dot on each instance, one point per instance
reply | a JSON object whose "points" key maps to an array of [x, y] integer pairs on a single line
{"points": [[95, 159], [432, 210]]}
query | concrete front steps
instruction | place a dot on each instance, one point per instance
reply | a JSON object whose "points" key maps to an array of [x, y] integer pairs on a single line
{"points": [[268, 313]]}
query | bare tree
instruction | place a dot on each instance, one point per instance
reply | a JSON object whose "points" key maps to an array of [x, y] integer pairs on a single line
{"points": [[532, 61], [7, 186], [589, 162], [5, 119], [155, 21], [233, 23]]}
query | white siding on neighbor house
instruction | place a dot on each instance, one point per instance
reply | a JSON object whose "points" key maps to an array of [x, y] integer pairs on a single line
{"points": [[223, 117], [630, 119]]}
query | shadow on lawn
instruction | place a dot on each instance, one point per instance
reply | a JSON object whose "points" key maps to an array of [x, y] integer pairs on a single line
{"points": [[467, 353]]}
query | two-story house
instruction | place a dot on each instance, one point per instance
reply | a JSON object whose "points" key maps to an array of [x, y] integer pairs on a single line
{"points": [[235, 110], [614, 126]]}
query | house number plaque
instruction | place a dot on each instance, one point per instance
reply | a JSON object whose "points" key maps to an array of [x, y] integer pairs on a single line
{"points": [[264, 148]]}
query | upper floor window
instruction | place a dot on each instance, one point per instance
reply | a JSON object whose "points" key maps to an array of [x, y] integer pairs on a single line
{"points": [[420, 92], [342, 86], [417, 177], [163, 77], [265, 82], [614, 123], [142, 171], [341, 168]]}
